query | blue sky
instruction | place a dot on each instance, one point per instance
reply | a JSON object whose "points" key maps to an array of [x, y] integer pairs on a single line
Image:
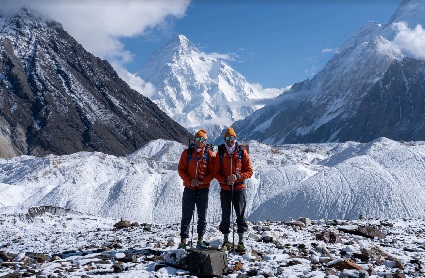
{"points": [[273, 43]]}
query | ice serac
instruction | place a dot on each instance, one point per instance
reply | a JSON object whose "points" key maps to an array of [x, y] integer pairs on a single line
{"points": [[57, 98], [370, 74], [198, 90]]}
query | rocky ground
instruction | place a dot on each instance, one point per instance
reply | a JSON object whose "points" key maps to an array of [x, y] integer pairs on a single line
{"points": [[73, 245]]}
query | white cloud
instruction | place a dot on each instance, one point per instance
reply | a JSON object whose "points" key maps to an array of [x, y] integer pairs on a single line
{"points": [[312, 70], [330, 50], [135, 82], [411, 40], [226, 57], [268, 95], [99, 24]]}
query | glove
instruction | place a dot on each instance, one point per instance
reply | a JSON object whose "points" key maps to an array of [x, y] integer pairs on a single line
{"points": [[231, 179], [195, 183]]}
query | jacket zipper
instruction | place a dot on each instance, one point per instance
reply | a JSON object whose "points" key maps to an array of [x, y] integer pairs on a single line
{"points": [[197, 165], [231, 168]]}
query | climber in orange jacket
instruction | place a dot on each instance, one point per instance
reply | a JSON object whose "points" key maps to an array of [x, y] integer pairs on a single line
{"points": [[196, 170], [231, 167]]}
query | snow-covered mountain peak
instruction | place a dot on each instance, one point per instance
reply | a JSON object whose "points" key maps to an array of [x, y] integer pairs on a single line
{"points": [[180, 45], [333, 103], [26, 20], [410, 12], [365, 60], [198, 90], [27, 30], [369, 30]]}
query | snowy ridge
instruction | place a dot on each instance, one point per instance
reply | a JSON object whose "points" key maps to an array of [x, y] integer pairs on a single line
{"points": [[378, 179], [194, 87], [383, 179], [331, 101]]}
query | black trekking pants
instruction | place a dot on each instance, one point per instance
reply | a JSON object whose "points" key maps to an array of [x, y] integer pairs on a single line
{"points": [[239, 204], [198, 197]]}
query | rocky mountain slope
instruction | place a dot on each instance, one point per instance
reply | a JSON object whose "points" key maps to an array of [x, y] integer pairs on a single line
{"points": [[373, 87], [198, 90], [56, 98]]}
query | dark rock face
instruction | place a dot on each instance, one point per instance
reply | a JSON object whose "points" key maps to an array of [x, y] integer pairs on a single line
{"points": [[394, 107], [56, 98]]}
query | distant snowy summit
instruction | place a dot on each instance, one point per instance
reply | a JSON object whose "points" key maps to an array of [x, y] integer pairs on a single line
{"points": [[373, 87], [198, 90], [56, 98]]}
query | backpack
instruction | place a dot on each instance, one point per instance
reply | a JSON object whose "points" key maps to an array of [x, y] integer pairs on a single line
{"points": [[190, 151]]}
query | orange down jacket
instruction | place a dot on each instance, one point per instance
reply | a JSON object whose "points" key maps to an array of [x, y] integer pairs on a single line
{"points": [[232, 164], [197, 168]]}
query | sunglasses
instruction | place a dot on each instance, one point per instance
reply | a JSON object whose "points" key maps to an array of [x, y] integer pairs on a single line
{"points": [[230, 138], [199, 139]]}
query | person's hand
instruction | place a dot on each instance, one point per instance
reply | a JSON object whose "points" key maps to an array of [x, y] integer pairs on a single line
{"points": [[228, 180], [231, 179], [195, 183]]}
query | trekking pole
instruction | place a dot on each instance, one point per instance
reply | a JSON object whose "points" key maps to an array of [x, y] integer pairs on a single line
{"points": [[193, 216], [231, 208], [193, 221], [233, 221]]}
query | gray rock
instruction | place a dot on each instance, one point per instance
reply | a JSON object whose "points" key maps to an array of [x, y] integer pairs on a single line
{"points": [[122, 224], [329, 237], [365, 231], [306, 221], [207, 262]]}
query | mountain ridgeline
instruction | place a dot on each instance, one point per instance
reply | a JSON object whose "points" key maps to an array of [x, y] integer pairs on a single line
{"points": [[56, 98], [371, 88]]}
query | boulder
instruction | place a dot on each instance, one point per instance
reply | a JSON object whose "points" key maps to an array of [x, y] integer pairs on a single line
{"points": [[122, 224], [270, 236], [329, 237], [305, 220], [365, 231], [207, 262], [39, 257], [344, 264]]}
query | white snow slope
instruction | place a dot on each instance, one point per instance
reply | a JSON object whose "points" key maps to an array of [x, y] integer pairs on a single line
{"points": [[383, 179]]}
